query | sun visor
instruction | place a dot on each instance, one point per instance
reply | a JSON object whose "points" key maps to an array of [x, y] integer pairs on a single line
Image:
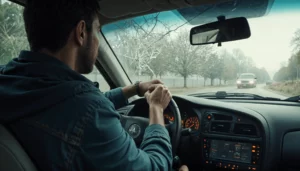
{"points": [[121, 8], [230, 9]]}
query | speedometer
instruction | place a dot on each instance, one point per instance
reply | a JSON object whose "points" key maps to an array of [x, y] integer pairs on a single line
{"points": [[192, 122]]}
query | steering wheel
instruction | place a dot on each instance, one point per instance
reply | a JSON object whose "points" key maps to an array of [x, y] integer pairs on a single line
{"points": [[136, 126]]}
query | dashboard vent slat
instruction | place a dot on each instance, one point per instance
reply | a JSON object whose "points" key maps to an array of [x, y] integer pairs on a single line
{"points": [[221, 117], [245, 129], [220, 127]]}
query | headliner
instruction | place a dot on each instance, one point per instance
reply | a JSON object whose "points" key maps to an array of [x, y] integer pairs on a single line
{"points": [[114, 10]]}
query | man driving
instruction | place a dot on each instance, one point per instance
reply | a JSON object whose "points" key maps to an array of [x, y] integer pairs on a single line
{"points": [[61, 118]]}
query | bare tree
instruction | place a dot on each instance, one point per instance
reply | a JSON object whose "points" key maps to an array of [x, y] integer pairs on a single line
{"points": [[160, 65], [187, 60], [229, 66], [185, 57], [212, 67], [137, 53], [295, 42], [241, 60], [141, 46]]}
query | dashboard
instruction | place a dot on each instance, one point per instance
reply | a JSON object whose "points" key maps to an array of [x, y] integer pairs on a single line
{"points": [[235, 135]]}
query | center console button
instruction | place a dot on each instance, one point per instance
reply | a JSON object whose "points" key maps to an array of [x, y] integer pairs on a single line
{"points": [[209, 116]]}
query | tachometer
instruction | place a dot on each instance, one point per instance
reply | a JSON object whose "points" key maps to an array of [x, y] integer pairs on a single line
{"points": [[169, 117], [192, 122]]}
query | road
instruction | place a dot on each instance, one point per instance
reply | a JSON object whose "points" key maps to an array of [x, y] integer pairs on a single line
{"points": [[259, 90]]}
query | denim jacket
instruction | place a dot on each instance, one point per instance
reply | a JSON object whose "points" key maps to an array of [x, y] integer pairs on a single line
{"points": [[64, 122]]}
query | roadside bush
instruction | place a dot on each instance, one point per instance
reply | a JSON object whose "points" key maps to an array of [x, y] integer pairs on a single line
{"points": [[291, 88]]}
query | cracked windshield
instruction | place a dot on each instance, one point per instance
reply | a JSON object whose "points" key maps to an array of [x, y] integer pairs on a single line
{"points": [[157, 46]]}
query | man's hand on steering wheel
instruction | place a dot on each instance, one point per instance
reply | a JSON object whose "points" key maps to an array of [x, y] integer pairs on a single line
{"points": [[149, 85], [158, 95], [158, 100]]}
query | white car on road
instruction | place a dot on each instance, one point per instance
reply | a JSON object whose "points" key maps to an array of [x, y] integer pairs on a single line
{"points": [[246, 80]]}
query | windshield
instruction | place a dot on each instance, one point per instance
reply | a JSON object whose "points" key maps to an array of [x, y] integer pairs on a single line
{"points": [[157, 46]]}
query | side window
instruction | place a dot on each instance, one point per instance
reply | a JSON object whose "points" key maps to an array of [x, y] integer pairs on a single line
{"points": [[13, 39], [12, 31], [96, 76]]}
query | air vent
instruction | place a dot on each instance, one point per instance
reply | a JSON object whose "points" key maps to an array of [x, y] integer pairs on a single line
{"points": [[244, 129], [222, 117], [220, 127]]}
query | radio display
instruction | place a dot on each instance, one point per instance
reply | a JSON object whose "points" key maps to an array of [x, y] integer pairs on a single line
{"points": [[232, 151]]}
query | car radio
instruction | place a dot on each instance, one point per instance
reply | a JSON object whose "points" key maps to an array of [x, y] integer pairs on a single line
{"points": [[231, 155]]}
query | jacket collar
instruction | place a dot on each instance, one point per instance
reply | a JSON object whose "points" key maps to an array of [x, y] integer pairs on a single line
{"points": [[34, 64]]}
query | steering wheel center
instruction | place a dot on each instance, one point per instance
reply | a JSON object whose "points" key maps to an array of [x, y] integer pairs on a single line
{"points": [[134, 130]]}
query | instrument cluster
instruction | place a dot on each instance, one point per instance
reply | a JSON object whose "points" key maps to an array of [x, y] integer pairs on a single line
{"points": [[188, 120]]}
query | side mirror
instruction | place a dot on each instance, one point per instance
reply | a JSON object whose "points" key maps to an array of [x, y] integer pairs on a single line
{"points": [[220, 31]]}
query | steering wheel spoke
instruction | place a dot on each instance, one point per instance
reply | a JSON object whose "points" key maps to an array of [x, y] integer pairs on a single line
{"points": [[170, 127]]}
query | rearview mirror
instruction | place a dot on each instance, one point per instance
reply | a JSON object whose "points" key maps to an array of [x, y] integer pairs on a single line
{"points": [[220, 31]]}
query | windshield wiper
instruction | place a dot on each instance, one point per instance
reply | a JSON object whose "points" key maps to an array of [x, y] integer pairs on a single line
{"points": [[293, 99], [224, 94]]}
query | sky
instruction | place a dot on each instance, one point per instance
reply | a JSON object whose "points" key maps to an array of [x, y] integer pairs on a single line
{"points": [[269, 44]]}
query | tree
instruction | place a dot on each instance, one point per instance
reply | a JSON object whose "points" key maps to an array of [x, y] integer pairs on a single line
{"points": [[283, 64], [212, 67], [141, 56], [261, 74], [186, 58], [249, 63], [294, 66], [141, 44], [229, 71], [241, 60], [281, 74], [160, 65], [290, 70], [136, 53], [295, 42]]}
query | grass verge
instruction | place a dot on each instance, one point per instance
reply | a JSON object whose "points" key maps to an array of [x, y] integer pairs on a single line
{"points": [[290, 88]]}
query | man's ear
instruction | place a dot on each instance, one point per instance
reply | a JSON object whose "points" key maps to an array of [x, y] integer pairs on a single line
{"points": [[80, 32]]}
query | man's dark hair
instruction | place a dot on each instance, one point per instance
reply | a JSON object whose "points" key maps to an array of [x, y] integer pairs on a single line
{"points": [[49, 23]]}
